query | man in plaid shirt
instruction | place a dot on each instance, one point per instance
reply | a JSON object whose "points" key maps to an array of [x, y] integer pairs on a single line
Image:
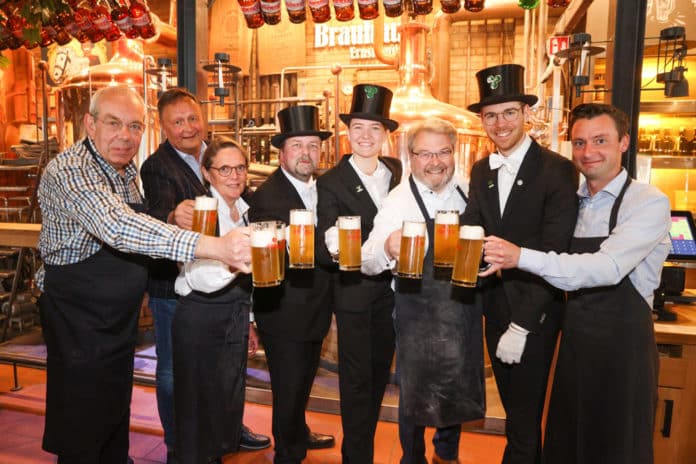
{"points": [[94, 242]]}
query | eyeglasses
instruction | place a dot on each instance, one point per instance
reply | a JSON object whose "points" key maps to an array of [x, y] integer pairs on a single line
{"points": [[510, 115], [428, 155], [225, 170], [116, 125]]}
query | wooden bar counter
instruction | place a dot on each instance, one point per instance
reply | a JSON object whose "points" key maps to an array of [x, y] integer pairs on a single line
{"points": [[675, 420], [19, 234]]}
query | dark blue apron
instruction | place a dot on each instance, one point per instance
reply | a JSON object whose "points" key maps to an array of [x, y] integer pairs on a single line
{"points": [[439, 345], [605, 388], [89, 314]]}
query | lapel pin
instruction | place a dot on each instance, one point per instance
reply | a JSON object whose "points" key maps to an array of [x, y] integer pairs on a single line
{"points": [[358, 188], [490, 184], [519, 182]]}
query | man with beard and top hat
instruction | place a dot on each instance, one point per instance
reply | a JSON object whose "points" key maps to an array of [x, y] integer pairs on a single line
{"points": [[439, 339], [293, 318], [602, 406], [526, 194], [357, 186]]}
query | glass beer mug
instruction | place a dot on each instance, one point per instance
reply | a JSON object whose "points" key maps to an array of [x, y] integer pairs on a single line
{"points": [[301, 238], [349, 243], [264, 254], [205, 215], [468, 258], [446, 237], [412, 250]]}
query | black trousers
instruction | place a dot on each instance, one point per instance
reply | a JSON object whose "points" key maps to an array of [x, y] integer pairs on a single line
{"points": [[292, 366], [365, 352], [522, 389]]}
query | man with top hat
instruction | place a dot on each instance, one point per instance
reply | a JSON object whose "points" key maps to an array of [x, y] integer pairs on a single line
{"points": [[293, 318], [357, 186], [526, 194], [439, 339]]}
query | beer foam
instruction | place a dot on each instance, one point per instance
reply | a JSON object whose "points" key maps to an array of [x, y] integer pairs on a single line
{"points": [[302, 217], [349, 222], [262, 238], [471, 232], [205, 203], [413, 229], [447, 217]]}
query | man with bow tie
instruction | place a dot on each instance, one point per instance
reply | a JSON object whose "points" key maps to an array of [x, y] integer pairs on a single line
{"points": [[525, 194], [294, 317]]}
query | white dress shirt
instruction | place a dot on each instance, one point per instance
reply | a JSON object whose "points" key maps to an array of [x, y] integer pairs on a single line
{"points": [[399, 206], [209, 275], [507, 174], [377, 183], [637, 247], [307, 191]]}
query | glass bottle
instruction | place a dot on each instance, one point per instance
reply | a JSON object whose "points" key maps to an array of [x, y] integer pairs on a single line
{"points": [[422, 7], [557, 3], [141, 19], [320, 10], [270, 10], [393, 8], [101, 17], [473, 5], [667, 143], [344, 10], [297, 10], [692, 144], [644, 141], [62, 37], [251, 9], [81, 16], [368, 9], [120, 15], [67, 21], [528, 4], [684, 145]]}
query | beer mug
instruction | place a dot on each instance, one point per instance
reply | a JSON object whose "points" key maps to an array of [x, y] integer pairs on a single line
{"points": [[349, 243], [264, 254], [282, 243], [205, 215], [301, 239], [468, 257], [446, 237], [412, 250]]}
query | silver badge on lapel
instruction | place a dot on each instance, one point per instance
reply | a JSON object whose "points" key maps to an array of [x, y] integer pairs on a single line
{"points": [[519, 182], [358, 188]]}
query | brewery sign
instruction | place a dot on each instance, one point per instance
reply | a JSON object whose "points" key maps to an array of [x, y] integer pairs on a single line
{"points": [[358, 38]]}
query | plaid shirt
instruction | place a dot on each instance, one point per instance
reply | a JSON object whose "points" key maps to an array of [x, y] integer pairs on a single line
{"points": [[82, 209]]}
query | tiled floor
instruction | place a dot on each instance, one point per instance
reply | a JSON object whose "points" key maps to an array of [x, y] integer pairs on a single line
{"points": [[21, 427]]}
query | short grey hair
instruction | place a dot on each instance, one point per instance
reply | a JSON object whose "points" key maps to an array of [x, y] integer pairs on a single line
{"points": [[119, 90], [434, 125]]}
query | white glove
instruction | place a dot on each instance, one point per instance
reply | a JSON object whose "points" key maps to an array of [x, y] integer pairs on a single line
{"points": [[331, 240], [511, 344], [203, 275]]}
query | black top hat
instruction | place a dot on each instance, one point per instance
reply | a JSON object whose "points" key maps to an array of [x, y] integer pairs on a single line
{"points": [[296, 121], [500, 84], [371, 102]]}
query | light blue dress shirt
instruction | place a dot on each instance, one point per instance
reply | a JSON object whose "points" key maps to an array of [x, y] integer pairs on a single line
{"points": [[637, 247]]}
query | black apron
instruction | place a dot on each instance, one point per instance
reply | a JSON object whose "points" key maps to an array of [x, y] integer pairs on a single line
{"points": [[605, 389], [89, 314], [439, 345], [210, 335]]}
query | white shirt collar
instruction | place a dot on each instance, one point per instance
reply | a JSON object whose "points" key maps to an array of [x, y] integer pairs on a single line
{"points": [[517, 156], [298, 184], [224, 212]]}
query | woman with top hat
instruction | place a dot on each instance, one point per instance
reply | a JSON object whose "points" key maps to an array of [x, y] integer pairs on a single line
{"points": [[210, 331], [356, 186], [525, 194]]}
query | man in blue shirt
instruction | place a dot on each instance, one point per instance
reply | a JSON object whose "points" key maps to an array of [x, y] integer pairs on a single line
{"points": [[604, 395]]}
